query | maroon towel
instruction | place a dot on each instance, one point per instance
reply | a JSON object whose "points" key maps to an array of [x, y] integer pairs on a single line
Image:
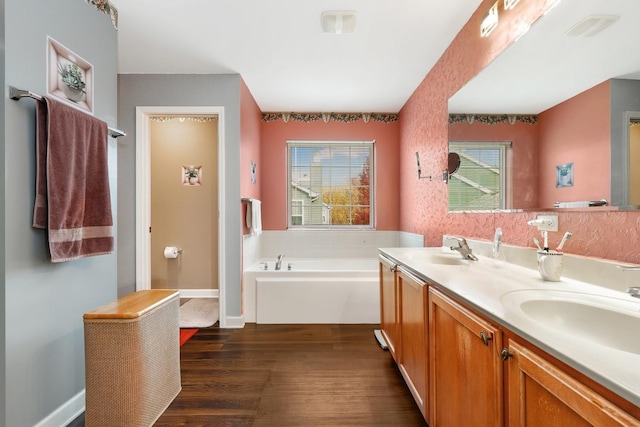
{"points": [[72, 182]]}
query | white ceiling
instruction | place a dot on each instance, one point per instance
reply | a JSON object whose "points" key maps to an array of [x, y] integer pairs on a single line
{"points": [[278, 47], [545, 67]]}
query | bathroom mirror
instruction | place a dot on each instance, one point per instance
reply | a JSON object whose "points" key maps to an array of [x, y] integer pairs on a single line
{"points": [[453, 163], [513, 97]]}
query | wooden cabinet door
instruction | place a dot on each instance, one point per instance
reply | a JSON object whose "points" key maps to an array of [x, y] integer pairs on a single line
{"points": [[413, 331], [389, 312], [466, 370], [540, 394]]}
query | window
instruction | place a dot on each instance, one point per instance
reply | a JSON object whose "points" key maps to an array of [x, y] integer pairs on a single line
{"points": [[297, 212], [480, 183], [330, 183]]}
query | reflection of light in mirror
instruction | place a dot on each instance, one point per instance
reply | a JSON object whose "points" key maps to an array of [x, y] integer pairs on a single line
{"points": [[490, 22], [510, 4]]}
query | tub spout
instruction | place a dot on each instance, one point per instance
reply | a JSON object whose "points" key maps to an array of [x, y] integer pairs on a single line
{"points": [[279, 261]]}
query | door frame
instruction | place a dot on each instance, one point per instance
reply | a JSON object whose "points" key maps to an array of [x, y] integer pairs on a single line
{"points": [[143, 193]]}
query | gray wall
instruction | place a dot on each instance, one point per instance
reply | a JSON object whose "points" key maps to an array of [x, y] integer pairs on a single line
{"points": [[44, 302], [146, 90], [625, 96], [3, 347]]}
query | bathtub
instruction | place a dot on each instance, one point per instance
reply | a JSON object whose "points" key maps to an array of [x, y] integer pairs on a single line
{"points": [[312, 291]]}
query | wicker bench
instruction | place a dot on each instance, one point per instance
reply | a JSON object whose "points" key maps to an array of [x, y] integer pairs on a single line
{"points": [[132, 359]]}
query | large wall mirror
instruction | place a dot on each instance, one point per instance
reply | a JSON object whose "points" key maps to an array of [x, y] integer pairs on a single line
{"points": [[559, 105]]}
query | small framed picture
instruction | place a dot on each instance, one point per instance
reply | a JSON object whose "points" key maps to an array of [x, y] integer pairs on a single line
{"points": [[191, 175], [69, 77], [564, 175]]}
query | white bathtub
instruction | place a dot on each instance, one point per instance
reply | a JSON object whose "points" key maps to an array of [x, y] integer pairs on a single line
{"points": [[312, 291]]}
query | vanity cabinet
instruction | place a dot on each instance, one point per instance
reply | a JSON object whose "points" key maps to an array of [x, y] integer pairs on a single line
{"points": [[466, 380], [413, 354], [464, 369], [540, 393], [389, 304]]}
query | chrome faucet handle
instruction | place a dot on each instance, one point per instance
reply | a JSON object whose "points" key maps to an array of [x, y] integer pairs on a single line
{"points": [[628, 267], [634, 291]]}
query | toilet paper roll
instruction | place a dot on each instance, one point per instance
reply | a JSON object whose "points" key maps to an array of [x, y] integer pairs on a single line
{"points": [[171, 252]]}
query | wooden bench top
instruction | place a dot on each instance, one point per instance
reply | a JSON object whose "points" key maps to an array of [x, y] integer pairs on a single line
{"points": [[133, 305]]}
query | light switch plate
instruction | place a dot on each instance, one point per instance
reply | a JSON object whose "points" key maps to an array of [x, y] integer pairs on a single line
{"points": [[554, 223]]}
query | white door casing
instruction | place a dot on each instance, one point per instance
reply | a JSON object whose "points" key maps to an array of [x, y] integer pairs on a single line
{"points": [[143, 193]]}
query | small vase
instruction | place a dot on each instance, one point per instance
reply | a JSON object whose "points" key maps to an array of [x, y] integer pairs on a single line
{"points": [[73, 94], [193, 180]]}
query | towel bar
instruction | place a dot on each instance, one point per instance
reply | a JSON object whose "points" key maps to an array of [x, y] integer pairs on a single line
{"points": [[16, 94]]}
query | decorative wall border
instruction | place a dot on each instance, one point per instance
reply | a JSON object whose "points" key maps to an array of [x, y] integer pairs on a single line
{"points": [[327, 117], [106, 7], [493, 119]]}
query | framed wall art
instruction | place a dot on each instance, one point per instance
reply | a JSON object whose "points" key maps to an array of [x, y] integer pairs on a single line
{"points": [[69, 77], [564, 175]]}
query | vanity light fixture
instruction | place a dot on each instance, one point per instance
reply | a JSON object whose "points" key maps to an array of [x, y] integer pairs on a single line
{"points": [[490, 22], [338, 21], [510, 4]]}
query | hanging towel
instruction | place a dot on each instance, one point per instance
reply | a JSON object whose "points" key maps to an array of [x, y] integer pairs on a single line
{"points": [[254, 217], [72, 182]]}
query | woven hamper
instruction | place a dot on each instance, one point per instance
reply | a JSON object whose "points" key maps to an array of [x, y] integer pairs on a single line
{"points": [[132, 359]]}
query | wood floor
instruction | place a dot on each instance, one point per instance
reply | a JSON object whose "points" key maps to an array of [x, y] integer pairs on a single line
{"points": [[289, 375]]}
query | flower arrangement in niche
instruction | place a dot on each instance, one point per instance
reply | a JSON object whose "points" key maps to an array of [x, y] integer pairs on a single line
{"points": [[73, 81], [191, 175]]}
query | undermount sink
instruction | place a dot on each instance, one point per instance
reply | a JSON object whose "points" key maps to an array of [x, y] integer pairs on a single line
{"points": [[445, 258], [599, 319]]}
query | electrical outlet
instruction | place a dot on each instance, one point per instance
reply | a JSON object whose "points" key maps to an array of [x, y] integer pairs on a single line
{"points": [[554, 223]]}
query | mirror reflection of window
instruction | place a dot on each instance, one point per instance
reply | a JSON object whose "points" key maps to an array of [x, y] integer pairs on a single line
{"points": [[481, 181], [634, 162]]}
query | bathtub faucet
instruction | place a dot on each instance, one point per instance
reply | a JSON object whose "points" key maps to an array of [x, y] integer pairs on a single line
{"points": [[279, 261]]}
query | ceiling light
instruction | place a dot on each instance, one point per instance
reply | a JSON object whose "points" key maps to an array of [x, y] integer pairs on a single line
{"points": [[338, 21], [490, 22], [592, 25]]}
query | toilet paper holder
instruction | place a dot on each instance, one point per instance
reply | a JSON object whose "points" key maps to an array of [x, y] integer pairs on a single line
{"points": [[172, 252]]}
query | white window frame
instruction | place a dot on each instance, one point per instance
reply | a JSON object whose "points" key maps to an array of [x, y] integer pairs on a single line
{"points": [[301, 216], [504, 147], [329, 225]]}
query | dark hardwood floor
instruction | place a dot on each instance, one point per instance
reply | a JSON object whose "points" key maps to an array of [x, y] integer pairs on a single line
{"points": [[289, 375]]}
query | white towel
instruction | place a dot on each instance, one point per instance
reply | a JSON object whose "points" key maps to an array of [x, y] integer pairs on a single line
{"points": [[254, 217], [583, 204]]}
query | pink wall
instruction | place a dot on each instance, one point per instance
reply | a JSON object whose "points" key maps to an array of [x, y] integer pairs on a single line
{"points": [[579, 131], [423, 128], [524, 162], [250, 117], [274, 156]]}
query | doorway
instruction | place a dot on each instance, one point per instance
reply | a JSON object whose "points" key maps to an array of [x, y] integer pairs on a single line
{"points": [[174, 277]]}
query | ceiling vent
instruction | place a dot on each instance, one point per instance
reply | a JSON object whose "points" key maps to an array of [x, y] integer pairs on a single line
{"points": [[592, 25], [338, 21]]}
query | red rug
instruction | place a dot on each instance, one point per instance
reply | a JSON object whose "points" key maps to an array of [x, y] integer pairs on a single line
{"points": [[185, 334]]}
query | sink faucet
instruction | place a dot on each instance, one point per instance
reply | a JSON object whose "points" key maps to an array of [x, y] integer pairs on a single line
{"points": [[634, 291], [279, 261], [460, 244]]}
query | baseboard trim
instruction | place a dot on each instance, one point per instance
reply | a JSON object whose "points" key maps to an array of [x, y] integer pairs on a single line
{"points": [[65, 413], [236, 322], [199, 293]]}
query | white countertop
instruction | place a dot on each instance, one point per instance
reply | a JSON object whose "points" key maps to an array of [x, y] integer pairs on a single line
{"points": [[482, 285]]}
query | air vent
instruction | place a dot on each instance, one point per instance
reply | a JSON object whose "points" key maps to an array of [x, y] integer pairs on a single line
{"points": [[338, 22], [592, 25]]}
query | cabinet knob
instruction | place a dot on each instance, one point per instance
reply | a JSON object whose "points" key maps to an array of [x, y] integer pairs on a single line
{"points": [[505, 354], [485, 338]]}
